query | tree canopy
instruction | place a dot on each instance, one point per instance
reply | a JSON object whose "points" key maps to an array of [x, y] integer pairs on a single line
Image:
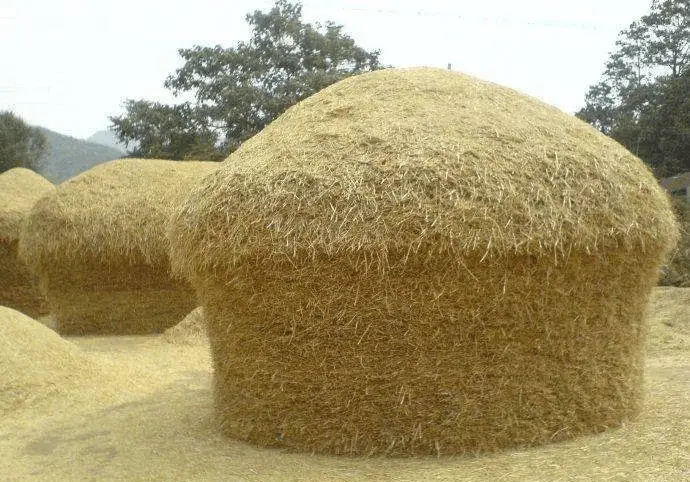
{"points": [[643, 97], [21, 145], [237, 91]]}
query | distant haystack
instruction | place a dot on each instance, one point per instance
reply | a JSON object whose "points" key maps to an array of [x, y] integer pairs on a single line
{"points": [[34, 361], [420, 262], [19, 190], [676, 272], [190, 331], [669, 320], [98, 245]]}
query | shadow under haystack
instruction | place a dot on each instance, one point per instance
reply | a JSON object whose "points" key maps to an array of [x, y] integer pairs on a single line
{"points": [[20, 188], [98, 246], [418, 262]]}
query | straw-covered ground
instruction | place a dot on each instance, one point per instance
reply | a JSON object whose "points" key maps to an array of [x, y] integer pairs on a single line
{"points": [[140, 408]]}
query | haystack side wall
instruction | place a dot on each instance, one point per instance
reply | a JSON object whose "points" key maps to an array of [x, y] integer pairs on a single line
{"points": [[18, 286], [116, 300], [431, 358]]}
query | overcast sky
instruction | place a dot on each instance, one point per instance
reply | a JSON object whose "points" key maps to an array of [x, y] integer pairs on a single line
{"points": [[69, 64]]}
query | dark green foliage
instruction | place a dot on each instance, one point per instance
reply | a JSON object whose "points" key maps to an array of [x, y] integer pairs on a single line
{"points": [[643, 98], [239, 90], [21, 145], [160, 131]]}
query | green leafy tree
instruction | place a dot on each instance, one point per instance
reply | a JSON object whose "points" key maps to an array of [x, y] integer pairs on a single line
{"points": [[157, 130], [643, 97], [237, 91], [21, 145]]}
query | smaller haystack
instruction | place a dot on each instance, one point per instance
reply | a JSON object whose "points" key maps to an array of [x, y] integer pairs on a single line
{"points": [[98, 246], [190, 331], [676, 272], [19, 190], [669, 320], [34, 361]]}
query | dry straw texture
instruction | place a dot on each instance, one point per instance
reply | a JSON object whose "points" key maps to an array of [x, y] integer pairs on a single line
{"points": [[35, 363], [418, 262], [98, 245], [190, 331], [19, 190], [149, 416]]}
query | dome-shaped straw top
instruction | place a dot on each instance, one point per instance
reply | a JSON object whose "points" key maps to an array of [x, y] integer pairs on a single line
{"points": [[20, 188], [116, 211], [421, 160]]}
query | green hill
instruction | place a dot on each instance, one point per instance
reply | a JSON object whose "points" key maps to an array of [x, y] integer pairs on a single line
{"points": [[67, 156]]}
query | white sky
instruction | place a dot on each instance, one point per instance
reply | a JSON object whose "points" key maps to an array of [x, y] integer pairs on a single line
{"points": [[69, 64]]}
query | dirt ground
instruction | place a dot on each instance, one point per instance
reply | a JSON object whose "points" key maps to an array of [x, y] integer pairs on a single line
{"points": [[144, 413]]}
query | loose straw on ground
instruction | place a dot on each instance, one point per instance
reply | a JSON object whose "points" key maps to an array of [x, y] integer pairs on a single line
{"points": [[35, 363], [190, 331]]}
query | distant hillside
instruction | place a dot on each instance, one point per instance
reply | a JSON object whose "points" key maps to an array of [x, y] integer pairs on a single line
{"points": [[66, 156], [107, 138]]}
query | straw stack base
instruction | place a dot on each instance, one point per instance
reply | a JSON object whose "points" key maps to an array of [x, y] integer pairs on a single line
{"points": [[432, 358], [19, 287], [116, 300]]}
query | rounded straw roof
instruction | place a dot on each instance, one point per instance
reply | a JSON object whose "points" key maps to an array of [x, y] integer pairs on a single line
{"points": [[114, 212], [421, 160], [20, 188]]}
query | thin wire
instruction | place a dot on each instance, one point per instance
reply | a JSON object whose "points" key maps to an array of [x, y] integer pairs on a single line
{"points": [[498, 20]]}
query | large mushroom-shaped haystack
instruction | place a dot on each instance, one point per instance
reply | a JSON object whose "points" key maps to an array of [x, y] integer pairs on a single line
{"points": [[99, 247], [420, 262], [20, 188]]}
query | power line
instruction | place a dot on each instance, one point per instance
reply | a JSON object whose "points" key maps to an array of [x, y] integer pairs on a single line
{"points": [[497, 20]]}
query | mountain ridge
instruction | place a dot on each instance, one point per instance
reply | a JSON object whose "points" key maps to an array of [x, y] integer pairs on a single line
{"points": [[107, 138], [68, 156]]}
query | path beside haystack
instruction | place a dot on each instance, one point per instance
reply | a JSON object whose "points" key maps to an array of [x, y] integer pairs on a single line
{"points": [[149, 417]]}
